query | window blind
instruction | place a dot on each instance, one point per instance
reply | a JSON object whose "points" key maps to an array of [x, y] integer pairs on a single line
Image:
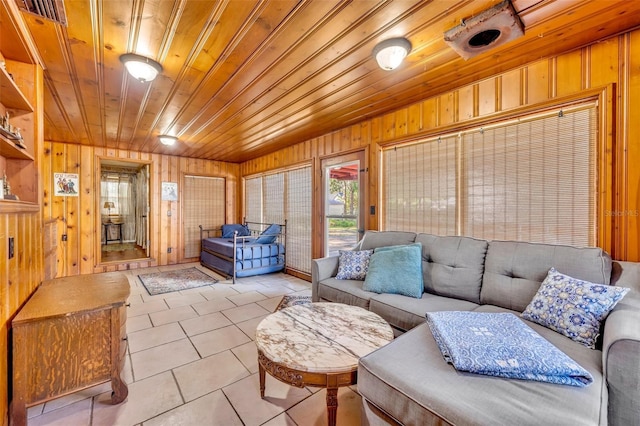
{"points": [[299, 219], [204, 204], [284, 195], [531, 179], [253, 199], [420, 187]]}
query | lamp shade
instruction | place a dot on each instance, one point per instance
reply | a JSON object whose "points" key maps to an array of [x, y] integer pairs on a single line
{"points": [[390, 53], [109, 204], [140, 67], [167, 140]]}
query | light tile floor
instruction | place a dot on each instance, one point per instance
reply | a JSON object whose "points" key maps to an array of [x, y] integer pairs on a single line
{"points": [[192, 361]]}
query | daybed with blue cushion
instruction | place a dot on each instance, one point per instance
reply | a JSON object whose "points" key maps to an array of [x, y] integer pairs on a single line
{"points": [[243, 250]]}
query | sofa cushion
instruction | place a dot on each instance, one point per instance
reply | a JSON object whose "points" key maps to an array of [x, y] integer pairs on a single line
{"points": [[375, 239], [228, 230], [514, 270], [396, 270], [353, 265], [349, 292], [572, 307], [269, 235], [404, 313], [453, 266], [409, 380]]}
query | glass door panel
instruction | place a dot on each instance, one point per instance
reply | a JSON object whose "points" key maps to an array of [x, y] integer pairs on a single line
{"points": [[342, 206]]}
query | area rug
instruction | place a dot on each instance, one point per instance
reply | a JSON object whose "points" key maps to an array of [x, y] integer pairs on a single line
{"points": [[288, 301], [180, 279]]}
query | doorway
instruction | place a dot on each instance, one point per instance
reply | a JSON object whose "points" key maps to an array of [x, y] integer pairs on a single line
{"points": [[343, 202], [123, 202]]}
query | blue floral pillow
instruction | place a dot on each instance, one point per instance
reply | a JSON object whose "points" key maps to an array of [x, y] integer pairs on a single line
{"points": [[573, 307], [353, 265]]}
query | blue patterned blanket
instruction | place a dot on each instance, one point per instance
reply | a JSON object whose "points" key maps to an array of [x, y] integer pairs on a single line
{"points": [[501, 344]]}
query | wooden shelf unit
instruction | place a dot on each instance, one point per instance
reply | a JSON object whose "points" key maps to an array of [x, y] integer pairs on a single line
{"points": [[19, 97], [11, 96]]}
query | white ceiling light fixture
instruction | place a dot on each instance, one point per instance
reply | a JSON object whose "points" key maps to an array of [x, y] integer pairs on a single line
{"points": [[140, 67], [390, 53], [167, 140]]}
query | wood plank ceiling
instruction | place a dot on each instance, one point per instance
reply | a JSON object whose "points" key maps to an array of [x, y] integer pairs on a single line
{"points": [[244, 78]]}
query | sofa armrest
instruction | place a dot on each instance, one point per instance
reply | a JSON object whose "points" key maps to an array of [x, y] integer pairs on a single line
{"points": [[322, 269], [621, 360]]}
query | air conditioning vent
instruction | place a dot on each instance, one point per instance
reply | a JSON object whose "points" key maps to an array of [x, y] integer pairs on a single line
{"points": [[493, 27], [49, 9]]}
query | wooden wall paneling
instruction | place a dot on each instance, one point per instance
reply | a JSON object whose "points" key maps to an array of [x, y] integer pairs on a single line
{"points": [[446, 111], [165, 221], [511, 94], [538, 82], [569, 74], [365, 134], [467, 102], [71, 207], [430, 112], [487, 97], [376, 130], [604, 62], [58, 206], [630, 173], [402, 122], [12, 264], [88, 217], [389, 126], [174, 237], [415, 118]]}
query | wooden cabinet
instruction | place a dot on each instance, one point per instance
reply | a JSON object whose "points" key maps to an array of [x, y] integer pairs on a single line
{"points": [[69, 336], [20, 93]]}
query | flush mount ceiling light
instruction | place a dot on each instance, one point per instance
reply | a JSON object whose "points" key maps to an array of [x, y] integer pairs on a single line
{"points": [[140, 67], [167, 140], [390, 53], [491, 28]]}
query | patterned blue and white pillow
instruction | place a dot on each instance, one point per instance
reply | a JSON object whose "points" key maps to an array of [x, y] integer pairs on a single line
{"points": [[353, 265], [573, 307]]}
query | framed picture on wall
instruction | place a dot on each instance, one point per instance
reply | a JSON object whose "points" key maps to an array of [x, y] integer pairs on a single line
{"points": [[65, 184], [169, 191]]}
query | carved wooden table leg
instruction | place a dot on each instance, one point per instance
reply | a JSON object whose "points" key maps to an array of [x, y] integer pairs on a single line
{"points": [[332, 405], [262, 379]]}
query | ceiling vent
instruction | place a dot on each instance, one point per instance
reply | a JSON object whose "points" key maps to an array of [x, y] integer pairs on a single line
{"points": [[49, 9], [489, 29]]}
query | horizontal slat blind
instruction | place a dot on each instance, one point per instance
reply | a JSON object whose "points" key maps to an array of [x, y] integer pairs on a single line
{"points": [[273, 200], [204, 204], [253, 199], [420, 187], [284, 195], [299, 219], [531, 179]]}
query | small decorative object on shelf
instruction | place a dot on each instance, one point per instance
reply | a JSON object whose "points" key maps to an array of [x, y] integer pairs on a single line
{"points": [[6, 189]]}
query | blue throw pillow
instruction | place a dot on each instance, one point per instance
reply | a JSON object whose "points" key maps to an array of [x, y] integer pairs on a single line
{"points": [[573, 307], [353, 265], [230, 228], [396, 270], [269, 235]]}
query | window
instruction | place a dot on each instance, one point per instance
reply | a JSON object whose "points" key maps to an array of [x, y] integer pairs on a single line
{"points": [[284, 195], [204, 204], [532, 179]]}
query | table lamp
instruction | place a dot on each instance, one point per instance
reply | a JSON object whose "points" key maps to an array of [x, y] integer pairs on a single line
{"points": [[109, 205]]}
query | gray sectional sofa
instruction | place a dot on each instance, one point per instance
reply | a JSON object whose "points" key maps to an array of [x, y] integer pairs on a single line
{"points": [[408, 382]]}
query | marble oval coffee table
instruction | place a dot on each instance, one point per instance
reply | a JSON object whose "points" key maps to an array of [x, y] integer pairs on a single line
{"points": [[318, 344]]}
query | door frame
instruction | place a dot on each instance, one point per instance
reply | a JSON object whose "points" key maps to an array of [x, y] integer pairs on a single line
{"points": [[98, 207], [361, 156]]}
